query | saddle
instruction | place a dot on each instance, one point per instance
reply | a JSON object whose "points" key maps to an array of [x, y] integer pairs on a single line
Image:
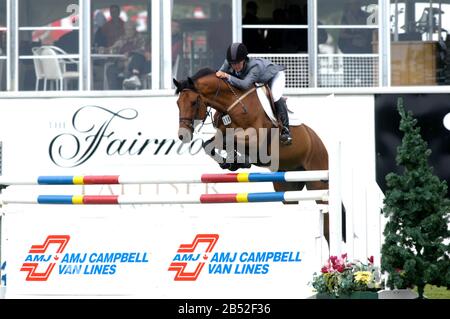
{"points": [[268, 93], [217, 119]]}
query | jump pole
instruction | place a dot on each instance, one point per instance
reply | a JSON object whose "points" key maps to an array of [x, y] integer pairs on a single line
{"points": [[298, 176], [291, 196]]}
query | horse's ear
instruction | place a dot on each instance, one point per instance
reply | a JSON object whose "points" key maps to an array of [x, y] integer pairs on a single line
{"points": [[177, 84], [190, 81]]}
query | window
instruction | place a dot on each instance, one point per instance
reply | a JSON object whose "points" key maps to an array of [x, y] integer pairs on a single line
{"points": [[278, 31], [121, 45], [3, 47], [201, 33], [420, 42], [343, 50], [275, 27], [49, 48], [48, 45], [349, 55]]}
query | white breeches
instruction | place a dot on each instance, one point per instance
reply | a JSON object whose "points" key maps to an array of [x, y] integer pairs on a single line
{"points": [[277, 85]]}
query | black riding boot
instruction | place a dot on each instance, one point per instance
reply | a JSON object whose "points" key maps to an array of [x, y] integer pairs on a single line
{"points": [[281, 108]]}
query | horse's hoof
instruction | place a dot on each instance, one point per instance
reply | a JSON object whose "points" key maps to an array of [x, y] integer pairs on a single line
{"points": [[224, 165], [246, 165], [233, 167]]}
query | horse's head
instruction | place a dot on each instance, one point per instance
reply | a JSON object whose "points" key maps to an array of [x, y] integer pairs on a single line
{"points": [[191, 107]]}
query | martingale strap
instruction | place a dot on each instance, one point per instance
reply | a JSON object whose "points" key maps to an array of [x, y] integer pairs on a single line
{"points": [[240, 99]]}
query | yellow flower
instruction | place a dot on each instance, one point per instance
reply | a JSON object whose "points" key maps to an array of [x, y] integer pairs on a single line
{"points": [[363, 277]]}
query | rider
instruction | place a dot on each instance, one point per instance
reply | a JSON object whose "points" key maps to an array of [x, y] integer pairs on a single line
{"points": [[241, 71]]}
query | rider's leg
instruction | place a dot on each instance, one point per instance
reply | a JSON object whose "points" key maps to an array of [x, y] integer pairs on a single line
{"points": [[277, 85], [285, 134]]}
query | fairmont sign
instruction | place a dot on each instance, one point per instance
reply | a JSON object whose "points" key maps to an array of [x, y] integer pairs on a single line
{"points": [[98, 130]]}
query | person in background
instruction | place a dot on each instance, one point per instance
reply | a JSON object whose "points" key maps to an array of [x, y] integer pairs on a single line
{"points": [[253, 38], [136, 48], [112, 30], [355, 40], [276, 37], [177, 41], [296, 39], [177, 47], [99, 20], [219, 44], [243, 72]]}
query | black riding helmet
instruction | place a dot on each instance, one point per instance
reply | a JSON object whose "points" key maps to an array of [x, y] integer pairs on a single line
{"points": [[236, 52]]}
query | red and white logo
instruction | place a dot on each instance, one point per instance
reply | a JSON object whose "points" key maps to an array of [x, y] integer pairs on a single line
{"points": [[31, 267], [180, 266]]}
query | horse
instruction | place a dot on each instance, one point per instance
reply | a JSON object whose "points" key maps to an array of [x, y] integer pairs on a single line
{"points": [[204, 89]]}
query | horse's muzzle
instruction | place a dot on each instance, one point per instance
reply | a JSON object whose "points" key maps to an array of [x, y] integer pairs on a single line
{"points": [[185, 134]]}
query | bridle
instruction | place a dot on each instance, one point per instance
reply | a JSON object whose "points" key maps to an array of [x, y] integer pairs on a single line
{"points": [[189, 122]]}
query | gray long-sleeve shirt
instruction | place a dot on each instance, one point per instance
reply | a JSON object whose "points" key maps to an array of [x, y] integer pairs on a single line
{"points": [[255, 70]]}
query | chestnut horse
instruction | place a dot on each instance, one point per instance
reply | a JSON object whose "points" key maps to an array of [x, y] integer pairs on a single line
{"points": [[307, 151]]}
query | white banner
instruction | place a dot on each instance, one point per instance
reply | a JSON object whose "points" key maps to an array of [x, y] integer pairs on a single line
{"points": [[127, 252]]}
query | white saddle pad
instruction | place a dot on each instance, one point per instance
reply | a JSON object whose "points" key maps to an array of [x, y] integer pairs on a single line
{"points": [[294, 119]]}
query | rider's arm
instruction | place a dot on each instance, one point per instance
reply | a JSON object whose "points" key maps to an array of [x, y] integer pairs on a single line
{"points": [[248, 81], [224, 71]]}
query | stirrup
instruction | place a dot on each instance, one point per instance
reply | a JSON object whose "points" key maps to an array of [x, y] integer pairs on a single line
{"points": [[285, 137], [286, 140]]}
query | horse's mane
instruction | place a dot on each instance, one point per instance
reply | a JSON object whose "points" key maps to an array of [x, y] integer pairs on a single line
{"points": [[186, 84], [201, 73]]}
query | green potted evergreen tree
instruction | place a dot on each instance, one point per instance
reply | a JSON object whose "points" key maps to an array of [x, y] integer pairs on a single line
{"points": [[414, 251]]}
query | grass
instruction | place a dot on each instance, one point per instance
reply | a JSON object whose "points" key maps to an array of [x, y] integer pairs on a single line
{"points": [[433, 292]]}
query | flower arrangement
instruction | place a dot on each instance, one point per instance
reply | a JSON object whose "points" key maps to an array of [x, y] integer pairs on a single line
{"points": [[340, 277]]}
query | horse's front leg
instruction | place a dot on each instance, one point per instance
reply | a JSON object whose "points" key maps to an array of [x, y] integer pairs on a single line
{"points": [[245, 147], [232, 161], [210, 146], [241, 158]]}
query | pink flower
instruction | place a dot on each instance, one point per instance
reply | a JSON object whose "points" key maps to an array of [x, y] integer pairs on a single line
{"points": [[341, 276], [333, 259]]}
